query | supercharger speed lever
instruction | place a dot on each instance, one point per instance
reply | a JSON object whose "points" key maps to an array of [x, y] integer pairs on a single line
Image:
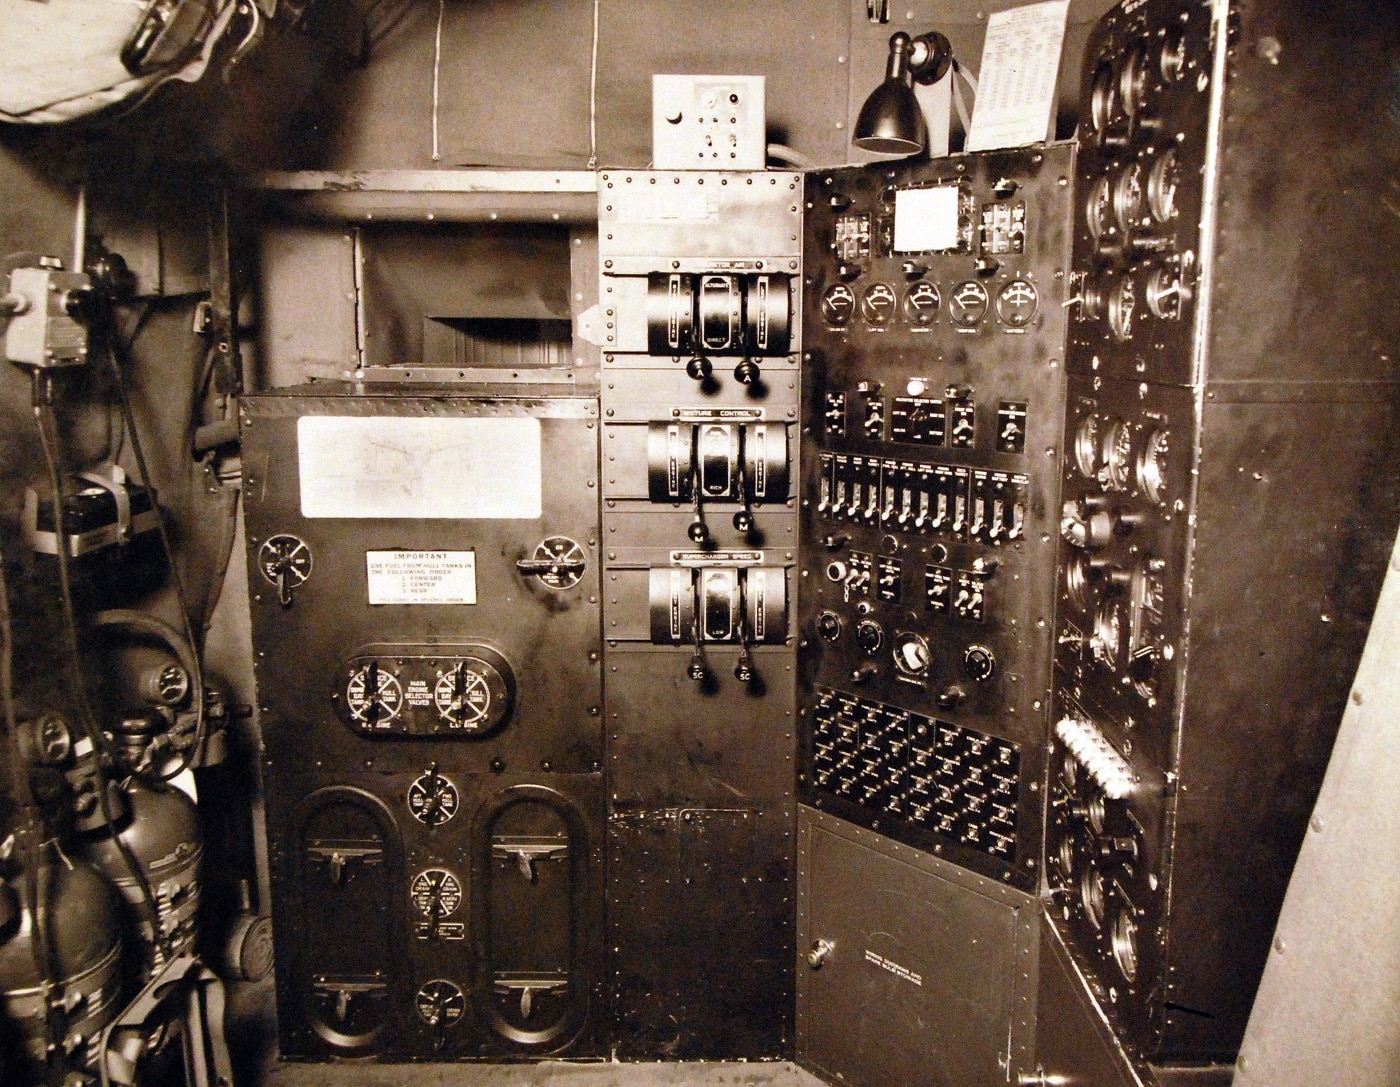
{"points": [[698, 669], [743, 667]]}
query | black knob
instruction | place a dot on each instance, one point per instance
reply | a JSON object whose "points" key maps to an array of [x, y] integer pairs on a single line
{"points": [[848, 271], [698, 532], [913, 269], [829, 626], [979, 662], [835, 541], [743, 668], [870, 635], [747, 372], [838, 201], [699, 368], [987, 265], [951, 696], [743, 522], [697, 670], [864, 672], [1004, 187]]}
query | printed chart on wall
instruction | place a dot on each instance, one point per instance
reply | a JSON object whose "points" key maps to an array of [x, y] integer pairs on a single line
{"points": [[1020, 67]]}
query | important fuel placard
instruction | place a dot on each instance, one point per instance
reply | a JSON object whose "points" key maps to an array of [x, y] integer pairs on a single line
{"points": [[421, 577]]}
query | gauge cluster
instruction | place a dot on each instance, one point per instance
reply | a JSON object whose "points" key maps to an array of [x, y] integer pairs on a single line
{"points": [[935, 345]]}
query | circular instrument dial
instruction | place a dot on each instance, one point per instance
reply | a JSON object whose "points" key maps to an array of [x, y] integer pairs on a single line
{"points": [[1103, 97], [1164, 294], [169, 685], [1077, 584], [463, 696], [1064, 858], [969, 303], [838, 305], [877, 304], [1128, 198], [921, 304], [1091, 896], [1118, 455], [1152, 466], [1107, 641], [1086, 446], [285, 560], [1016, 303], [440, 1003], [1162, 181], [1132, 81], [1171, 62], [436, 892], [1125, 949], [432, 799], [373, 695], [1099, 207], [1121, 303]]}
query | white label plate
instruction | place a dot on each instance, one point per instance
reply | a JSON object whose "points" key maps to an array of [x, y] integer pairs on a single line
{"points": [[400, 467], [421, 577]]}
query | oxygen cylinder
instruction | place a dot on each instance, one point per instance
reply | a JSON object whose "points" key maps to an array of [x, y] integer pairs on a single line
{"points": [[161, 833], [83, 924]]}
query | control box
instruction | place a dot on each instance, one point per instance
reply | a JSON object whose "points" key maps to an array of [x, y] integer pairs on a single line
{"points": [[708, 122]]}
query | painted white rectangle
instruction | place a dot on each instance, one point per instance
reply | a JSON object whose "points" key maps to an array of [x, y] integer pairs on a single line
{"points": [[401, 467], [1020, 66], [421, 577], [926, 219]]}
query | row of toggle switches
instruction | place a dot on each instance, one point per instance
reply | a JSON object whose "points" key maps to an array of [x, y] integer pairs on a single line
{"points": [[943, 499]]}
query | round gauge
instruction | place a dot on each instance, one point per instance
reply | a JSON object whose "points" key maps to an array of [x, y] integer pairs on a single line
{"points": [[1099, 207], [870, 635], [285, 561], [168, 685], [1164, 294], [1162, 181], [1125, 949], [373, 695], [463, 696], [432, 799], [1016, 303], [1091, 895], [1064, 858], [1152, 466], [436, 892], [1127, 198], [55, 739], [440, 1003], [911, 653], [1121, 302], [969, 303], [1171, 62], [1132, 80], [837, 305], [1077, 585], [877, 304], [1087, 446], [1117, 455], [979, 662], [921, 304], [1107, 640], [1103, 97], [1095, 812], [1069, 769]]}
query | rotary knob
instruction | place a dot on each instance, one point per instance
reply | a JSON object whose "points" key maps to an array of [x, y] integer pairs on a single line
{"points": [[829, 626], [870, 635], [979, 662]]}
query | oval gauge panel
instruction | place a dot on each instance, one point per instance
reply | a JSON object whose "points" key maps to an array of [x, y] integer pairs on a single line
{"points": [[838, 305], [921, 304], [968, 304], [1017, 302], [877, 304]]}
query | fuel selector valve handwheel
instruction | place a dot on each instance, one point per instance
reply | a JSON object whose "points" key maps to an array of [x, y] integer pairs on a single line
{"points": [[441, 692], [558, 562]]}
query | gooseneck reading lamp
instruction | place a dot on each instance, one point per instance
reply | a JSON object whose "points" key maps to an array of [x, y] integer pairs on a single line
{"points": [[891, 121]]}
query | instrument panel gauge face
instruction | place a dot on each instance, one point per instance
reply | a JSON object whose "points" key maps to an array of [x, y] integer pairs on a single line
{"points": [[921, 304], [55, 739], [171, 685], [877, 304], [285, 559], [1152, 466], [1121, 303], [373, 695], [1103, 97], [433, 799], [1086, 447], [1107, 642], [1091, 896], [1118, 455], [1077, 584], [440, 1003], [968, 304], [1016, 303], [1125, 950], [838, 305], [1132, 81], [436, 892], [1099, 207], [463, 696], [1128, 198], [1171, 61], [1162, 181]]}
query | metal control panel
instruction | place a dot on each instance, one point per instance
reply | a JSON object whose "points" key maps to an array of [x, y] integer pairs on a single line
{"points": [[699, 319], [935, 335], [426, 626]]}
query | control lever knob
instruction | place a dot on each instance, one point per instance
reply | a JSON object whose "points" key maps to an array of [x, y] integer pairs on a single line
{"points": [[864, 673], [1004, 187], [696, 670], [743, 667], [848, 271], [747, 372], [698, 532], [743, 522], [699, 368], [951, 696], [913, 269]]}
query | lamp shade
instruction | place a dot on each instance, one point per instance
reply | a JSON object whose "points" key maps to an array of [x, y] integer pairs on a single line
{"points": [[891, 121]]}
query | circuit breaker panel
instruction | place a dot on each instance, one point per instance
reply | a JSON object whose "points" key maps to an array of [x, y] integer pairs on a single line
{"points": [[936, 336], [935, 332], [1227, 493], [425, 619], [699, 297]]}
